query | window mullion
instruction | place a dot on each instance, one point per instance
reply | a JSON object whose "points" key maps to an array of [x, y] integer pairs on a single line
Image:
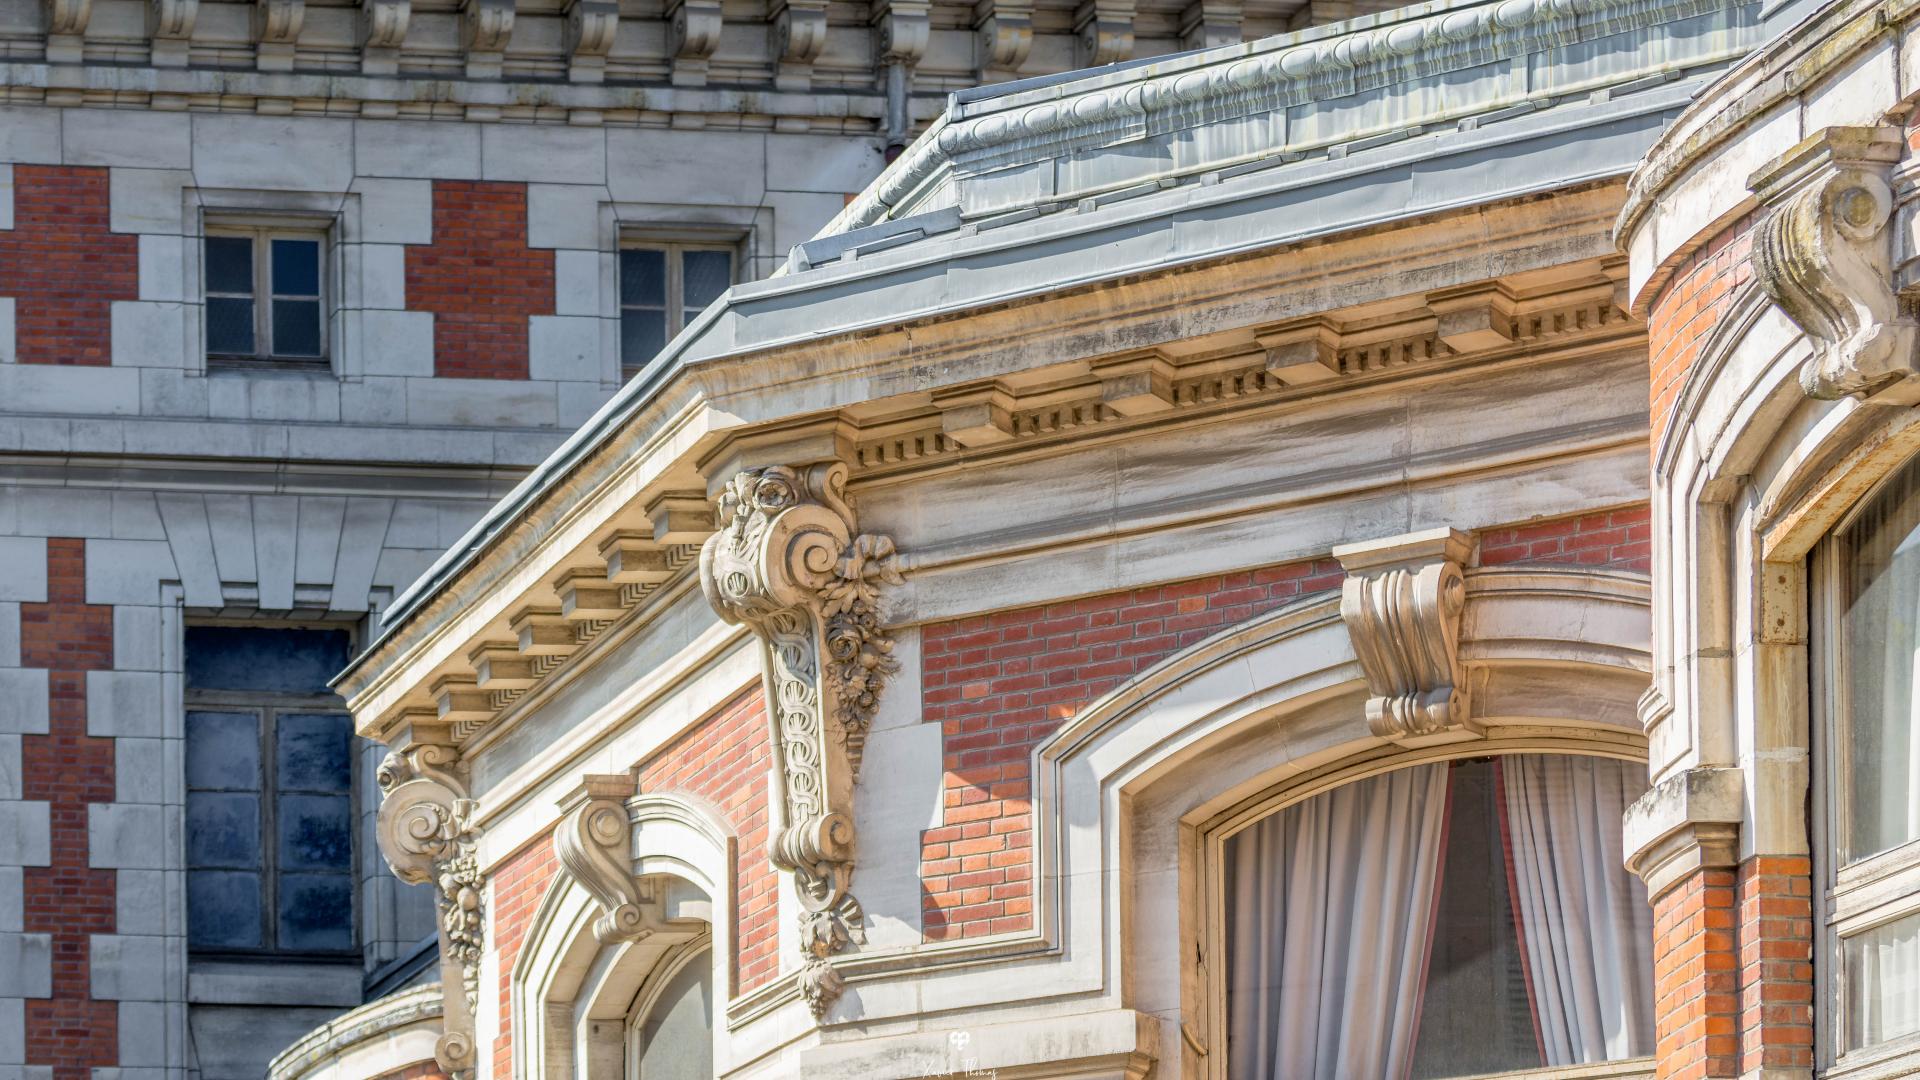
{"points": [[263, 294], [676, 257]]}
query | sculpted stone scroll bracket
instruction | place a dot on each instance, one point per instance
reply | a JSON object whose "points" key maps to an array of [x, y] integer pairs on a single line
{"points": [[790, 563], [1401, 601], [595, 845], [1823, 251], [427, 832]]}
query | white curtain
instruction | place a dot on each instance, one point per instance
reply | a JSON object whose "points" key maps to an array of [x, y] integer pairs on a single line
{"points": [[1331, 917], [1585, 925], [1882, 629]]}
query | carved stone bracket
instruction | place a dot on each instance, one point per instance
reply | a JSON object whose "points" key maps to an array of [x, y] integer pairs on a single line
{"points": [[383, 26], [485, 28], [901, 30], [427, 833], [1003, 36], [1824, 253], [66, 27], [790, 563], [170, 29], [1402, 601], [799, 35], [693, 32], [594, 843], [591, 26], [1104, 31], [276, 27]]}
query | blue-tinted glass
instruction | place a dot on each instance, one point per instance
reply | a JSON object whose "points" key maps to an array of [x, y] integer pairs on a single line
{"points": [[296, 268], [316, 912], [223, 909], [296, 328], [246, 658], [230, 264], [704, 276], [229, 326], [316, 832], [315, 752], [643, 277], [642, 335], [223, 830], [223, 750]]}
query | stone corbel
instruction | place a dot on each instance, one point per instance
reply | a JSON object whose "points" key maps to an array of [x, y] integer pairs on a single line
{"points": [[1473, 318], [901, 29], [383, 27], [1302, 351], [1402, 601], [169, 30], [693, 32], [1003, 36], [1683, 825], [1104, 31], [66, 29], [975, 416], [1824, 253], [595, 845], [485, 28], [426, 831], [276, 27], [1211, 24], [799, 35], [590, 30], [790, 563], [1136, 384]]}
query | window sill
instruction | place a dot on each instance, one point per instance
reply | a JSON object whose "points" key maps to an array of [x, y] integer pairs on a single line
{"points": [[279, 982], [231, 365], [1901, 1057], [1626, 1069]]}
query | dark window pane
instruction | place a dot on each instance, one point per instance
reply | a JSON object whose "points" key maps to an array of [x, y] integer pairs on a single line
{"points": [[245, 658], [296, 328], [316, 832], [229, 327], [296, 268], [223, 830], [316, 912], [315, 752], [704, 276], [223, 750], [230, 264], [643, 277], [642, 335], [223, 909]]}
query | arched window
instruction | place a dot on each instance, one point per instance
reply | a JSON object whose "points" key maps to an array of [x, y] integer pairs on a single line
{"points": [[1440, 920], [1869, 643], [670, 1030]]}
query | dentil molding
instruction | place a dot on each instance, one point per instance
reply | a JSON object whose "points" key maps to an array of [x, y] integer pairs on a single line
{"points": [[426, 831], [791, 564], [1401, 601]]}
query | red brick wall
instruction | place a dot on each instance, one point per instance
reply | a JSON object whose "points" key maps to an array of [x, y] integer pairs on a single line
{"points": [[723, 761], [1619, 539], [998, 684], [519, 883], [1688, 307], [63, 267], [1696, 963], [69, 770], [1776, 963], [480, 279]]}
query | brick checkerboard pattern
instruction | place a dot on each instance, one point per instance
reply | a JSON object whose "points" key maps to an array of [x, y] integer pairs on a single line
{"points": [[480, 279], [70, 770], [64, 267], [999, 684]]}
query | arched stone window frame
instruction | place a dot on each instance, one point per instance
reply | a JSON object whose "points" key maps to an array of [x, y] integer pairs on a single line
{"points": [[562, 962], [1133, 795]]}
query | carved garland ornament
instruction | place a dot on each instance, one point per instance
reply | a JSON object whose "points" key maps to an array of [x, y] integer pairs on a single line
{"points": [[1824, 254], [427, 833], [789, 563], [1401, 602]]}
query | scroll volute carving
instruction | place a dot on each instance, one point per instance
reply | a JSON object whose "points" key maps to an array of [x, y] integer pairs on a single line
{"points": [[595, 846], [426, 831], [790, 563], [1401, 601], [1824, 253]]}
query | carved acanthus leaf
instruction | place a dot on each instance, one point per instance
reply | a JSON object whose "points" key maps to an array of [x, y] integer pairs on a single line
{"points": [[789, 563], [1824, 254], [1401, 601]]}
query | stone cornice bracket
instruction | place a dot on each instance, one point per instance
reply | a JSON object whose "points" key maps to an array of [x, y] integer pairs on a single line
{"points": [[1211, 24], [693, 32], [383, 27], [1684, 824], [1104, 31], [1402, 601], [276, 27], [799, 35], [66, 27], [1824, 253], [901, 29], [169, 29], [595, 845], [589, 33], [485, 28], [1003, 36], [790, 563], [426, 830]]}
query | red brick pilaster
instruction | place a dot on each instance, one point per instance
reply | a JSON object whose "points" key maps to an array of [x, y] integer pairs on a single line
{"points": [[70, 770], [480, 279], [1776, 962], [1696, 977], [64, 267]]}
